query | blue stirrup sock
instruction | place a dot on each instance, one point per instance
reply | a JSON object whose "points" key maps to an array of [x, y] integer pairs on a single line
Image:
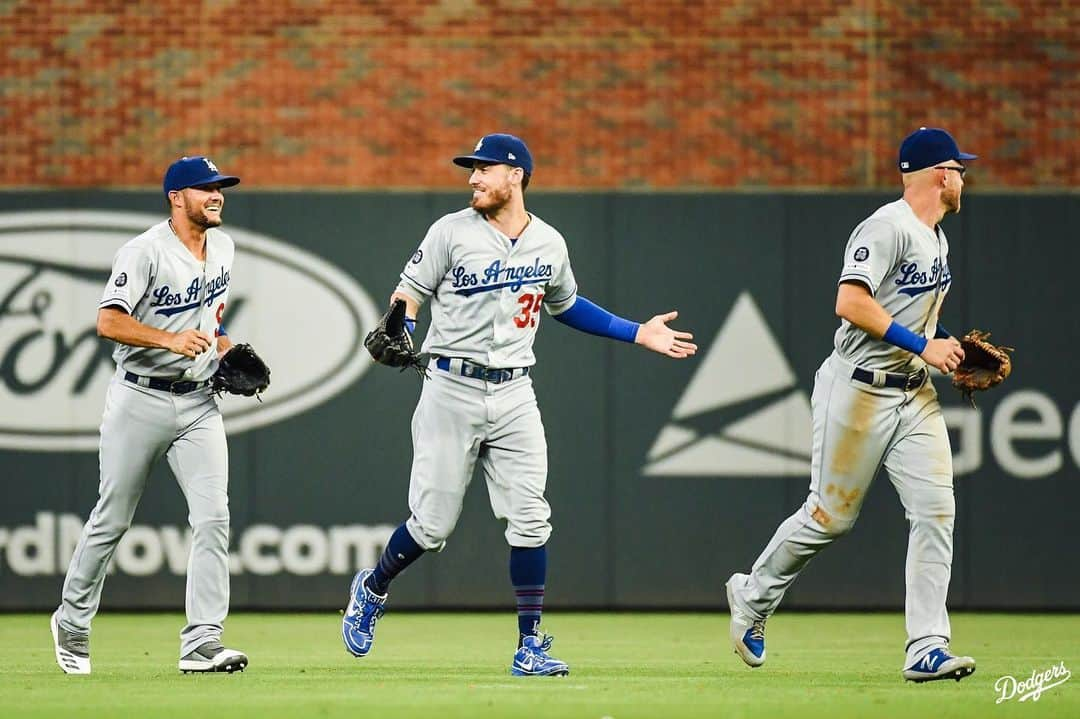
{"points": [[401, 551], [528, 570]]}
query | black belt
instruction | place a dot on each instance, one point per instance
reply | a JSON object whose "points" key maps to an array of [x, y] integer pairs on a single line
{"points": [[906, 382], [479, 371], [164, 384]]}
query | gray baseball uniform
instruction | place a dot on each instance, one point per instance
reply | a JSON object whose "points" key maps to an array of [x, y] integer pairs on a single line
{"points": [[861, 423], [158, 403], [486, 297]]}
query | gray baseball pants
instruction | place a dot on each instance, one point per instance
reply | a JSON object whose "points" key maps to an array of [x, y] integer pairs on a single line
{"points": [[857, 429], [138, 427]]}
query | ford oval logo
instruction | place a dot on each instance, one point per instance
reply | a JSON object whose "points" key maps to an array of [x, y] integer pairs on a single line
{"points": [[304, 316]]}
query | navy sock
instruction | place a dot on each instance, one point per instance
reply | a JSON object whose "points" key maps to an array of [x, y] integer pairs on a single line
{"points": [[528, 569], [401, 551]]}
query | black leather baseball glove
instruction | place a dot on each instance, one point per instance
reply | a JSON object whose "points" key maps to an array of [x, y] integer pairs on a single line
{"points": [[390, 344], [241, 371]]}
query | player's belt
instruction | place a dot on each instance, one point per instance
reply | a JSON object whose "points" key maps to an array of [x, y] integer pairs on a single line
{"points": [[176, 386], [877, 378], [465, 368]]}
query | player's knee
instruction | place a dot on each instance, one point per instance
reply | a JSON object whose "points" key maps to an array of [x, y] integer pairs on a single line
{"points": [[934, 511], [210, 532], [933, 528], [431, 534], [111, 531], [840, 527], [828, 523]]}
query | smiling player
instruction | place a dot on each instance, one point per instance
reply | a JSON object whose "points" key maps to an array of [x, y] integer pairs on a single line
{"points": [[489, 270]]}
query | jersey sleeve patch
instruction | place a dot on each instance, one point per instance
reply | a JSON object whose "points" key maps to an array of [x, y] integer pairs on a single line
{"points": [[129, 279]]}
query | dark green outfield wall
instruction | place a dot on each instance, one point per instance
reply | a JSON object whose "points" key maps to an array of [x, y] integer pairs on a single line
{"points": [[665, 477]]}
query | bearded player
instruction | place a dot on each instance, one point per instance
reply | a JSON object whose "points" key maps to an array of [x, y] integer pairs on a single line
{"points": [[489, 270]]}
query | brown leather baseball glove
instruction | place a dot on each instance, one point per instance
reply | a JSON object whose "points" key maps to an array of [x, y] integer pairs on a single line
{"points": [[985, 365]]}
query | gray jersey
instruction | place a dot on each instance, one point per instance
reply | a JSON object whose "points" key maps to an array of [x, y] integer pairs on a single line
{"points": [[486, 291], [905, 265], [161, 284]]}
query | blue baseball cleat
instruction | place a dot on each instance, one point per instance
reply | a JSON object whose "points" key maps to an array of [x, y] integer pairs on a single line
{"points": [[939, 664], [747, 633], [532, 659], [358, 624]]}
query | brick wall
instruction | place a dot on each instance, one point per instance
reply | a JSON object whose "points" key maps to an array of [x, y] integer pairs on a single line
{"points": [[633, 94]]}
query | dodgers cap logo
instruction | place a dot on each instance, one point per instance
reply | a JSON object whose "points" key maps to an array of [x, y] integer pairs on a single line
{"points": [[499, 149], [195, 171]]}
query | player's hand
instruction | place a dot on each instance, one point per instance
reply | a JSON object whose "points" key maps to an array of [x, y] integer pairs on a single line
{"points": [[945, 354], [190, 343], [657, 336]]}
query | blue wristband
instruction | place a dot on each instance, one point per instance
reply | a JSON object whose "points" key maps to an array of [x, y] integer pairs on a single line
{"points": [[941, 333], [410, 325], [905, 339], [588, 317]]}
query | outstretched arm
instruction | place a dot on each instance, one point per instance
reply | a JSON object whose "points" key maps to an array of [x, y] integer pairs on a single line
{"points": [[657, 336], [586, 316]]}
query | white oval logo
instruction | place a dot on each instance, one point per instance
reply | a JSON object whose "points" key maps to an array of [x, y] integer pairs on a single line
{"points": [[304, 316]]}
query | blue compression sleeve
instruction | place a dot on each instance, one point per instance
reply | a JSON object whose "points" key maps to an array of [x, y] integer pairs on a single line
{"points": [[904, 338], [585, 316], [941, 333]]}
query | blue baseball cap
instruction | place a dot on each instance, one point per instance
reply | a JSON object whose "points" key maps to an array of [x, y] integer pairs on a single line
{"points": [[195, 171], [499, 149], [928, 146]]}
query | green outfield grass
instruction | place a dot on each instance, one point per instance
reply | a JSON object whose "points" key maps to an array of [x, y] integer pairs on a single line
{"points": [[441, 666]]}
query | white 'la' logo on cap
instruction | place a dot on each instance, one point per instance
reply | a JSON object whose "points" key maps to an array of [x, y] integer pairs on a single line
{"points": [[511, 156], [479, 143], [212, 166]]}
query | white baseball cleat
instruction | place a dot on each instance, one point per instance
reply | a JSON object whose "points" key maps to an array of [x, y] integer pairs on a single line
{"points": [[212, 657], [747, 633], [939, 664], [72, 650]]}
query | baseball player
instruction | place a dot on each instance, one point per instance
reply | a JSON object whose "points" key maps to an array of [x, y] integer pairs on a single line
{"points": [[489, 270], [163, 307], [873, 405]]}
